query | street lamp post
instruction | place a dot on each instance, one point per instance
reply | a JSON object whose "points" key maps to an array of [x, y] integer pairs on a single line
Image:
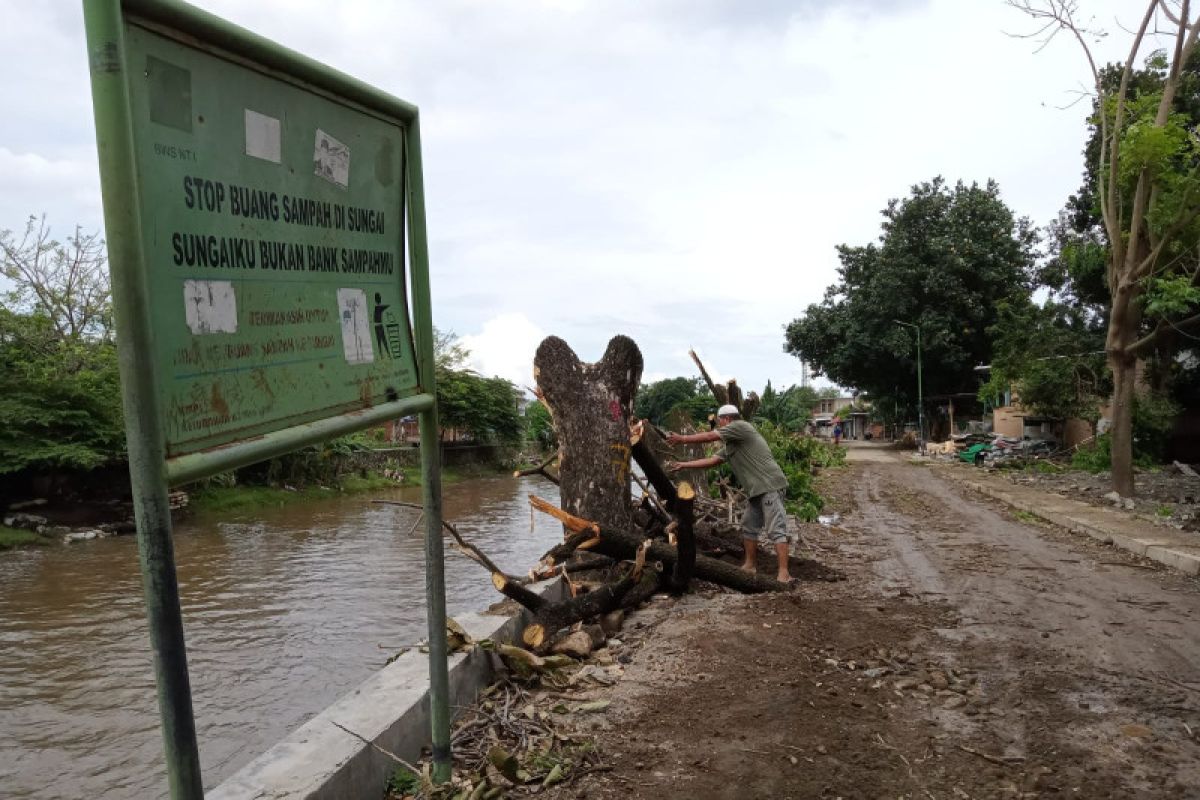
{"points": [[920, 398]]}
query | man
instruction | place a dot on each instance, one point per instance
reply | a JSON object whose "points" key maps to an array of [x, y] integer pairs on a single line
{"points": [[764, 482]]}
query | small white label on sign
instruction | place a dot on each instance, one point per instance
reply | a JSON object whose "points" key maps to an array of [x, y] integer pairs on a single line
{"points": [[262, 136], [356, 326], [331, 159], [210, 307]]}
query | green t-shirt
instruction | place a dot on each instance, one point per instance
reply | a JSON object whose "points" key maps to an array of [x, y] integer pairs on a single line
{"points": [[750, 458]]}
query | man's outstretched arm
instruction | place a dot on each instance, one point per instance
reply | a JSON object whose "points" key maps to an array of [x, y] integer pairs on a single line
{"points": [[699, 463], [693, 438]]}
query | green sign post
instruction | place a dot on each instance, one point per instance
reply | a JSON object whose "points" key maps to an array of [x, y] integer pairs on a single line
{"points": [[266, 232]]}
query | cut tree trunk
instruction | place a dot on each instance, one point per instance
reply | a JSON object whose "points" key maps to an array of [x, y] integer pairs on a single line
{"points": [[685, 540], [623, 546], [591, 405], [548, 618], [645, 458]]}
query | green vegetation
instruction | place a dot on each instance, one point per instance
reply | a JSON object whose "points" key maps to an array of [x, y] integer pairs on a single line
{"points": [[485, 408], [797, 456], [539, 428], [1164, 511], [948, 255], [59, 388], [1132, 229], [790, 409], [1026, 517], [656, 400], [403, 783], [13, 537]]}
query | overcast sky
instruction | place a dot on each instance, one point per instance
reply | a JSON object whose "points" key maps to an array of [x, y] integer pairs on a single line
{"points": [[679, 171]]}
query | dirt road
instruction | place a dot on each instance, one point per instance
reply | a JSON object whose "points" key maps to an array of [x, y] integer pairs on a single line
{"points": [[967, 654]]}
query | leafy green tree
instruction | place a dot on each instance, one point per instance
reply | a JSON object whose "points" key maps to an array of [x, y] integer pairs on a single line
{"points": [[539, 427], [486, 408], [655, 400], [1052, 357], [60, 396], [945, 260], [790, 409], [1142, 187]]}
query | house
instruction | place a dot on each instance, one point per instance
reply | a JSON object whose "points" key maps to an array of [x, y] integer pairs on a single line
{"points": [[829, 411]]}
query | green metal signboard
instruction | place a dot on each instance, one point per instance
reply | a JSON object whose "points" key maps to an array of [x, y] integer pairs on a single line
{"points": [[266, 233], [272, 228]]}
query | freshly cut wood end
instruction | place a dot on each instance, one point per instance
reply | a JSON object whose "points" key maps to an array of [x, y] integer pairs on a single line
{"points": [[534, 635], [499, 581], [685, 491]]}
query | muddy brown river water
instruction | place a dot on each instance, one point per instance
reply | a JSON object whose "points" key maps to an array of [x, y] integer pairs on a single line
{"points": [[285, 610]]}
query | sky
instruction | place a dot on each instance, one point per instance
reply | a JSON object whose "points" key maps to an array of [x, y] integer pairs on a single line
{"points": [[679, 171]]}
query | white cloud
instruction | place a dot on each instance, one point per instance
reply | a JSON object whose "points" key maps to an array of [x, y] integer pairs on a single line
{"points": [[505, 346], [676, 170]]}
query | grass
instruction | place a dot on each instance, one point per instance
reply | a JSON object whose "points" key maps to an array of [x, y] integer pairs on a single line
{"points": [[1164, 511], [1026, 517], [12, 537]]}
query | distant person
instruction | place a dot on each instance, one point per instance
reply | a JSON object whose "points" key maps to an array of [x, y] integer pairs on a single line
{"points": [[750, 457], [837, 434]]}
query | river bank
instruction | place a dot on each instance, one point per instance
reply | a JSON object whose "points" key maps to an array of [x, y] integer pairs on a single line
{"points": [[15, 537]]}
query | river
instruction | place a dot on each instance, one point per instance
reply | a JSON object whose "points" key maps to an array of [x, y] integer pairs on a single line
{"points": [[285, 609]]}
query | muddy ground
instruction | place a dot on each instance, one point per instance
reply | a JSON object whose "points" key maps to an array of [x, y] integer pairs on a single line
{"points": [[965, 655]]}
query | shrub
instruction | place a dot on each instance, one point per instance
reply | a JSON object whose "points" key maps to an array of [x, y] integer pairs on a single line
{"points": [[797, 456]]}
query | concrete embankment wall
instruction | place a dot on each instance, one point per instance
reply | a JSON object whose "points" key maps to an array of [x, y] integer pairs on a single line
{"points": [[322, 761]]}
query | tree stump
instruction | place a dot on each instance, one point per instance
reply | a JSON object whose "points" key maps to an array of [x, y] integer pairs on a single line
{"points": [[591, 405]]}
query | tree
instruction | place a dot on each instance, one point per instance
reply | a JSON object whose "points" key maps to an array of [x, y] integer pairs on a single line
{"points": [[486, 408], [60, 398], [1052, 357], [790, 409], [539, 427], [66, 282], [946, 258], [655, 400], [60, 394], [1146, 157]]}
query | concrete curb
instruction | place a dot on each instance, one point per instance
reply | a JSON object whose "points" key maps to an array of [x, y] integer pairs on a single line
{"points": [[1100, 524], [320, 761]]}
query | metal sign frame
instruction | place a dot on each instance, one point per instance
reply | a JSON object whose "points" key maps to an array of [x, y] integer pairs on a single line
{"points": [[151, 471]]}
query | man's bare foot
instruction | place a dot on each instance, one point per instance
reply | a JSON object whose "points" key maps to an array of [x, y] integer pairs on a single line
{"points": [[784, 578], [748, 567]]}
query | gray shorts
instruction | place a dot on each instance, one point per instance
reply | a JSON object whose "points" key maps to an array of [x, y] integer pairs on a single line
{"points": [[765, 518]]}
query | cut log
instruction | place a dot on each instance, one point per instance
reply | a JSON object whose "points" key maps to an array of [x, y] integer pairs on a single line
{"points": [[571, 522], [653, 471], [624, 545], [591, 405], [513, 590], [553, 617], [685, 540], [540, 469]]}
